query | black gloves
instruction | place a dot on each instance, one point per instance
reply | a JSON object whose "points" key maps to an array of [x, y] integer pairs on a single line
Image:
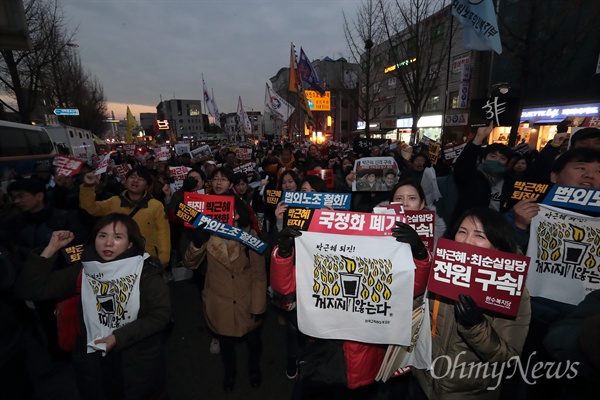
{"points": [[286, 241], [200, 236], [466, 312], [257, 317], [189, 183], [406, 234]]}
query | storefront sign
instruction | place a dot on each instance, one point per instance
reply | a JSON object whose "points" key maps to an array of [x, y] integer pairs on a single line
{"points": [[559, 113], [456, 119], [460, 60]]}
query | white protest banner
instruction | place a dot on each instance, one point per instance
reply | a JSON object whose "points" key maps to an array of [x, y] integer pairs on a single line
{"points": [[103, 165], [178, 173], [243, 153], [162, 153], [181, 148], [346, 292], [201, 152], [564, 247], [371, 171]]}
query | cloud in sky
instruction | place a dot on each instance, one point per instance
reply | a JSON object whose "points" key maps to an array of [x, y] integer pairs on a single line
{"points": [[142, 50]]}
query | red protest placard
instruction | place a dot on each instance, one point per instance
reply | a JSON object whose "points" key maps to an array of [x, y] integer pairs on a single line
{"points": [[121, 171], [67, 166], [354, 223], [220, 208], [494, 279], [326, 175], [423, 222], [129, 149]]}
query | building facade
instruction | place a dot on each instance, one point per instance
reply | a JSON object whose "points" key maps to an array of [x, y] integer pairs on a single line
{"points": [[186, 121]]}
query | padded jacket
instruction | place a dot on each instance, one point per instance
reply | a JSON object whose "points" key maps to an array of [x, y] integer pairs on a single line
{"points": [[455, 348], [363, 360]]}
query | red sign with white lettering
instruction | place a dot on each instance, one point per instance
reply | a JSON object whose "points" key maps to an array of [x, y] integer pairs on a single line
{"points": [[494, 279]]}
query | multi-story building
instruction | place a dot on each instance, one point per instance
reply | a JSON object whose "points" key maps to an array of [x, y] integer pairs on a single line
{"points": [[185, 117], [336, 121], [551, 70]]}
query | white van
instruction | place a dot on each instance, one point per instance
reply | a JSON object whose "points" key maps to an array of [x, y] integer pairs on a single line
{"points": [[76, 141]]}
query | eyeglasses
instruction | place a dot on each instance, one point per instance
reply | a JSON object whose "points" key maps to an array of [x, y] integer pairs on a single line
{"points": [[219, 180]]}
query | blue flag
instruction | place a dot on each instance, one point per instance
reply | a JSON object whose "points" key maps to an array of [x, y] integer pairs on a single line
{"points": [[480, 25], [308, 73]]}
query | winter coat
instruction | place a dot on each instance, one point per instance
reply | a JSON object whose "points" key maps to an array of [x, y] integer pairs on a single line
{"points": [[363, 360], [139, 344], [151, 218], [474, 190], [235, 286], [495, 340]]}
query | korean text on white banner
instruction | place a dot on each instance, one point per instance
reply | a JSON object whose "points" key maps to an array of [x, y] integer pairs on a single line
{"points": [[344, 291], [564, 247], [162, 153], [201, 152], [110, 297], [371, 171], [103, 165]]}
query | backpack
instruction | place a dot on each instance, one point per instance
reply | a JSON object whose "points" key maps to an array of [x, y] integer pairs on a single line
{"points": [[67, 318]]}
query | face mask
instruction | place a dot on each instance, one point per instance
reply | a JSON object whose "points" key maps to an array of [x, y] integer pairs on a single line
{"points": [[492, 167]]}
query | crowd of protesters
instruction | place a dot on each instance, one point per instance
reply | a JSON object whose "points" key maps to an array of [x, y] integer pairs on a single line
{"points": [[133, 219]]}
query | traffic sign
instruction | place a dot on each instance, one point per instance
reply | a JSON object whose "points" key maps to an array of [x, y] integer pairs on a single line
{"points": [[66, 111]]}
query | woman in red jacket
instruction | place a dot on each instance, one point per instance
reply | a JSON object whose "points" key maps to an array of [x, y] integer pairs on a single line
{"points": [[362, 360]]}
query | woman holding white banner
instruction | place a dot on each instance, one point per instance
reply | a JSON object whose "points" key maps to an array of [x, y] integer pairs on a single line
{"points": [[361, 361], [123, 309], [464, 335]]}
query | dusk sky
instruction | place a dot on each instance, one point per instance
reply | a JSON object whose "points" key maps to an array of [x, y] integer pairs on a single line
{"points": [[142, 49]]}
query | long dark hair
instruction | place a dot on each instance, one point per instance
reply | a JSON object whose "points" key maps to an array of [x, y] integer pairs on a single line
{"points": [[496, 229], [133, 230]]}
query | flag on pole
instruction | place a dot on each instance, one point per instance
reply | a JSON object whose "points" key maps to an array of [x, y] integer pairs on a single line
{"points": [[216, 109], [211, 105], [276, 105], [308, 74], [245, 124], [130, 126], [296, 86], [480, 26]]}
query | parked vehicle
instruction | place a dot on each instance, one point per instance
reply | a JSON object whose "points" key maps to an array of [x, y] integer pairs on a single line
{"points": [[72, 141]]}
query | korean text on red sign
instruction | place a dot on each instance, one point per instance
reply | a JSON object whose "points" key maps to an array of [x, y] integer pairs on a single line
{"points": [[354, 223], [494, 279], [219, 208]]}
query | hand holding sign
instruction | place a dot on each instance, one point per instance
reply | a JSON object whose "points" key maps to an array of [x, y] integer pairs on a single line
{"points": [[406, 234], [200, 235], [90, 179], [286, 241], [525, 210], [482, 133], [466, 311]]}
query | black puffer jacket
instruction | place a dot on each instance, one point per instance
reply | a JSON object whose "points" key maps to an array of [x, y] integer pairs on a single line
{"points": [[138, 354]]}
